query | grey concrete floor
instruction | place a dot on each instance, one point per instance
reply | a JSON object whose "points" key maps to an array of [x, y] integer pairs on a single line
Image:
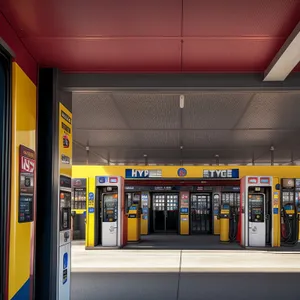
{"points": [[179, 268], [185, 286]]}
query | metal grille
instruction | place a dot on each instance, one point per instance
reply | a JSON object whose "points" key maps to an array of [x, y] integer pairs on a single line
{"points": [[201, 215]]}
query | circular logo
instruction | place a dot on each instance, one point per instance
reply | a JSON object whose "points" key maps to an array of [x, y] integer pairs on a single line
{"points": [[182, 172]]}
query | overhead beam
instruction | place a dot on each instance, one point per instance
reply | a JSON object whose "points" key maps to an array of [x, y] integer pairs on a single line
{"points": [[170, 83], [286, 59]]}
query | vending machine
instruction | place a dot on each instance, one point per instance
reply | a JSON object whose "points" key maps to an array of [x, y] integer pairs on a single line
{"points": [[133, 200], [256, 211], [289, 211], [110, 218], [64, 236]]}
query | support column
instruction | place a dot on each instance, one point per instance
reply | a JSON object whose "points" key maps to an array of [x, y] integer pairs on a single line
{"points": [[53, 237]]}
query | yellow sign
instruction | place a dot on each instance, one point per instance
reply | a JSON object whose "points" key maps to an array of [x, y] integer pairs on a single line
{"points": [[65, 141]]}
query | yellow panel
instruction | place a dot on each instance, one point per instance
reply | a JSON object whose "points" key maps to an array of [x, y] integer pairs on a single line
{"points": [[184, 224], [90, 217], [216, 225], [224, 229], [23, 132]]}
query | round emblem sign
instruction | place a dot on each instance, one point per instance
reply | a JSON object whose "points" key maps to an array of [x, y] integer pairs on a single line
{"points": [[182, 172]]}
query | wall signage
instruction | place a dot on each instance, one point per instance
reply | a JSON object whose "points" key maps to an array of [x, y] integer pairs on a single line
{"points": [[232, 173], [79, 182], [136, 173], [26, 181], [182, 172]]}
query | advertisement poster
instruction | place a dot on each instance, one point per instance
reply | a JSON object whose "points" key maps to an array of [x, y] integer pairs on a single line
{"points": [[26, 177], [65, 141]]}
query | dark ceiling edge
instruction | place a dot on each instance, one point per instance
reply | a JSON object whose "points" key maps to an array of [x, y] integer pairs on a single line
{"points": [[85, 82]]}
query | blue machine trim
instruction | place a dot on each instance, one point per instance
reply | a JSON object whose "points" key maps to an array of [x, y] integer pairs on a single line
{"points": [[184, 210], [24, 292]]}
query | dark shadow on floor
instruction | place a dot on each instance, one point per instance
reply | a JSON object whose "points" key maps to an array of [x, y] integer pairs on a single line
{"points": [[179, 242], [187, 286], [193, 242]]}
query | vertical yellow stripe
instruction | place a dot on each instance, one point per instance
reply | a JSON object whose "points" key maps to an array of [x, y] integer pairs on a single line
{"points": [[23, 132]]}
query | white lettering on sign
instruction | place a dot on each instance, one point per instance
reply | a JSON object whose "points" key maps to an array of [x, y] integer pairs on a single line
{"points": [[140, 173], [135, 173], [217, 173], [27, 165]]}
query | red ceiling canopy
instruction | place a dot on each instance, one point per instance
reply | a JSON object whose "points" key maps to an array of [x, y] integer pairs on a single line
{"points": [[153, 35]]}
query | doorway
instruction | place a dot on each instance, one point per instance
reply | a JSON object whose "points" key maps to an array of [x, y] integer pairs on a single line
{"points": [[165, 212], [201, 214], [5, 159]]}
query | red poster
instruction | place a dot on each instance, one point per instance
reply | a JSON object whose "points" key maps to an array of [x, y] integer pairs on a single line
{"points": [[26, 179]]}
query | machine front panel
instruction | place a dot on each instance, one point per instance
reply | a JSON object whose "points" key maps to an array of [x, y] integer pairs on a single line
{"points": [[256, 218], [110, 220]]}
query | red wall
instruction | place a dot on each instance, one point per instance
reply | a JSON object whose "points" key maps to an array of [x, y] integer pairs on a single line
{"points": [[22, 56]]}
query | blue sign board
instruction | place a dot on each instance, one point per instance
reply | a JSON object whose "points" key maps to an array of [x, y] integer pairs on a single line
{"points": [[231, 173], [91, 210], [91, 196], [133, 173], [275, 211], [137, 173], [182, 172]]}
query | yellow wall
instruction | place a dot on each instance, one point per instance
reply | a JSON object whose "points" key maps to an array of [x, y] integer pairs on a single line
{"points": [[192, 171], [23, 132]]}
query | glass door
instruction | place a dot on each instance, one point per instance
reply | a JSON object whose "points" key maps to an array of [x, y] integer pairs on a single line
{"points": [[171, 212], [165, 212], [201, 214], [158, 212]]}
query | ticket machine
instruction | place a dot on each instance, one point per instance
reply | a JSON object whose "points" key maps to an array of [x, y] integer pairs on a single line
{"points": [[289, 212], [64, 236], [256, 211], [133, 201], [110, 218], [224, 219]]}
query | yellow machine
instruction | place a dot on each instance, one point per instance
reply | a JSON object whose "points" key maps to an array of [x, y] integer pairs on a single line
{"points": [[134, 217], [224, 222]]}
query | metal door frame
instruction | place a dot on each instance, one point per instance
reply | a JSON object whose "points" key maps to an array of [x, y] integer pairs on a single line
{"points": [[165, 212], [5, 171], [154, 212], [210, 214]]}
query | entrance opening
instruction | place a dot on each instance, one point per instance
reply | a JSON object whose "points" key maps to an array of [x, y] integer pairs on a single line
{"points": [[165, 212], [201, 213], [5, 146]]}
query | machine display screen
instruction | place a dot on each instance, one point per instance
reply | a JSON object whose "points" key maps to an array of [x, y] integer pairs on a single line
{"points": [[65, 210], [256, 208], [110, 207]]}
